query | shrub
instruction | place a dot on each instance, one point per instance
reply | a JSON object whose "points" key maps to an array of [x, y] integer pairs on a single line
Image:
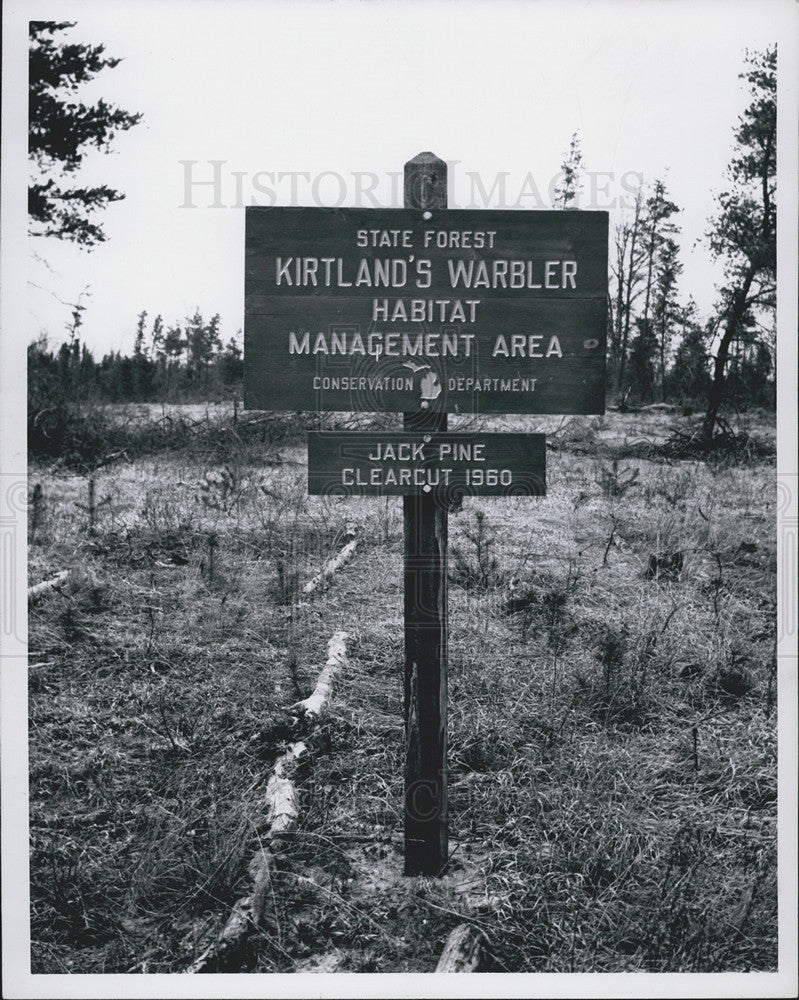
{"points": [[476, 568]]}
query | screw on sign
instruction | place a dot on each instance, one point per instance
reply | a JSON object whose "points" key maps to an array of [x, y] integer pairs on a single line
{"points": [[425, 311]]}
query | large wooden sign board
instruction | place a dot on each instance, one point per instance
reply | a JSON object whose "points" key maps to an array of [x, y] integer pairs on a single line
{"points": [[448, 311], [447, 466]]}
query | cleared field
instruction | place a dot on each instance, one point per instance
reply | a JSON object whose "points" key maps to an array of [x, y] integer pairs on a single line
{"points": [[613, 782]]}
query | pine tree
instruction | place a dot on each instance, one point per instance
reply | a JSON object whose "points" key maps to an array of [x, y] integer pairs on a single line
{"points": [[231, 366], [628, 273], [658, 228], [665, 307], [158, 353], [174, 346], [157, 336], [567, 190], [88, 372], [143, 368], [689, 378], [643, 352], [61, 129], [139, 347], [646, 265], [744, 232], [202, 343]]}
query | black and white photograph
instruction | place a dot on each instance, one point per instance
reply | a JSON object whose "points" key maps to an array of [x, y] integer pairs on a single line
{"points": [[398, 498]]}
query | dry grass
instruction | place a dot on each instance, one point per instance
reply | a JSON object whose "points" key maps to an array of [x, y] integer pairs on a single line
{"points": [[612, 716]]}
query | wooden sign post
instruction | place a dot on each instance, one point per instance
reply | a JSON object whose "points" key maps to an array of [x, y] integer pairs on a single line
{"points": [[425, 311], [425, 572]]}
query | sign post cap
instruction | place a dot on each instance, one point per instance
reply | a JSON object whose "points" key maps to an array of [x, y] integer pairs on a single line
{"points": [[426, 182], [425, 157]]}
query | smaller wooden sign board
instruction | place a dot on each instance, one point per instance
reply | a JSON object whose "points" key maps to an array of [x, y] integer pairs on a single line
{"points": [[407, 463]]}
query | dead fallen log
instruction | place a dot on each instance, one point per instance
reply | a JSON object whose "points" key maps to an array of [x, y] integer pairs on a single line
{"points": [[248, 912], [462, 951], [35, 592], [281, 795], [317, 702], [331, 567], [283, 812]]}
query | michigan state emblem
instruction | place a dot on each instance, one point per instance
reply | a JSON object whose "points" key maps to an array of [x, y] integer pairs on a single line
{"points": [[429, 386]]}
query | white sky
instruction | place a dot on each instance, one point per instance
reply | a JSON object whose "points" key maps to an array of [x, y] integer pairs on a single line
{"points": [[347, 87]]}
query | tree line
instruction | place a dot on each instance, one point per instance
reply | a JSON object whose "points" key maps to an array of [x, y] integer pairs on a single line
{"points": [[659, 348], [179, 362], [658, 352]]}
